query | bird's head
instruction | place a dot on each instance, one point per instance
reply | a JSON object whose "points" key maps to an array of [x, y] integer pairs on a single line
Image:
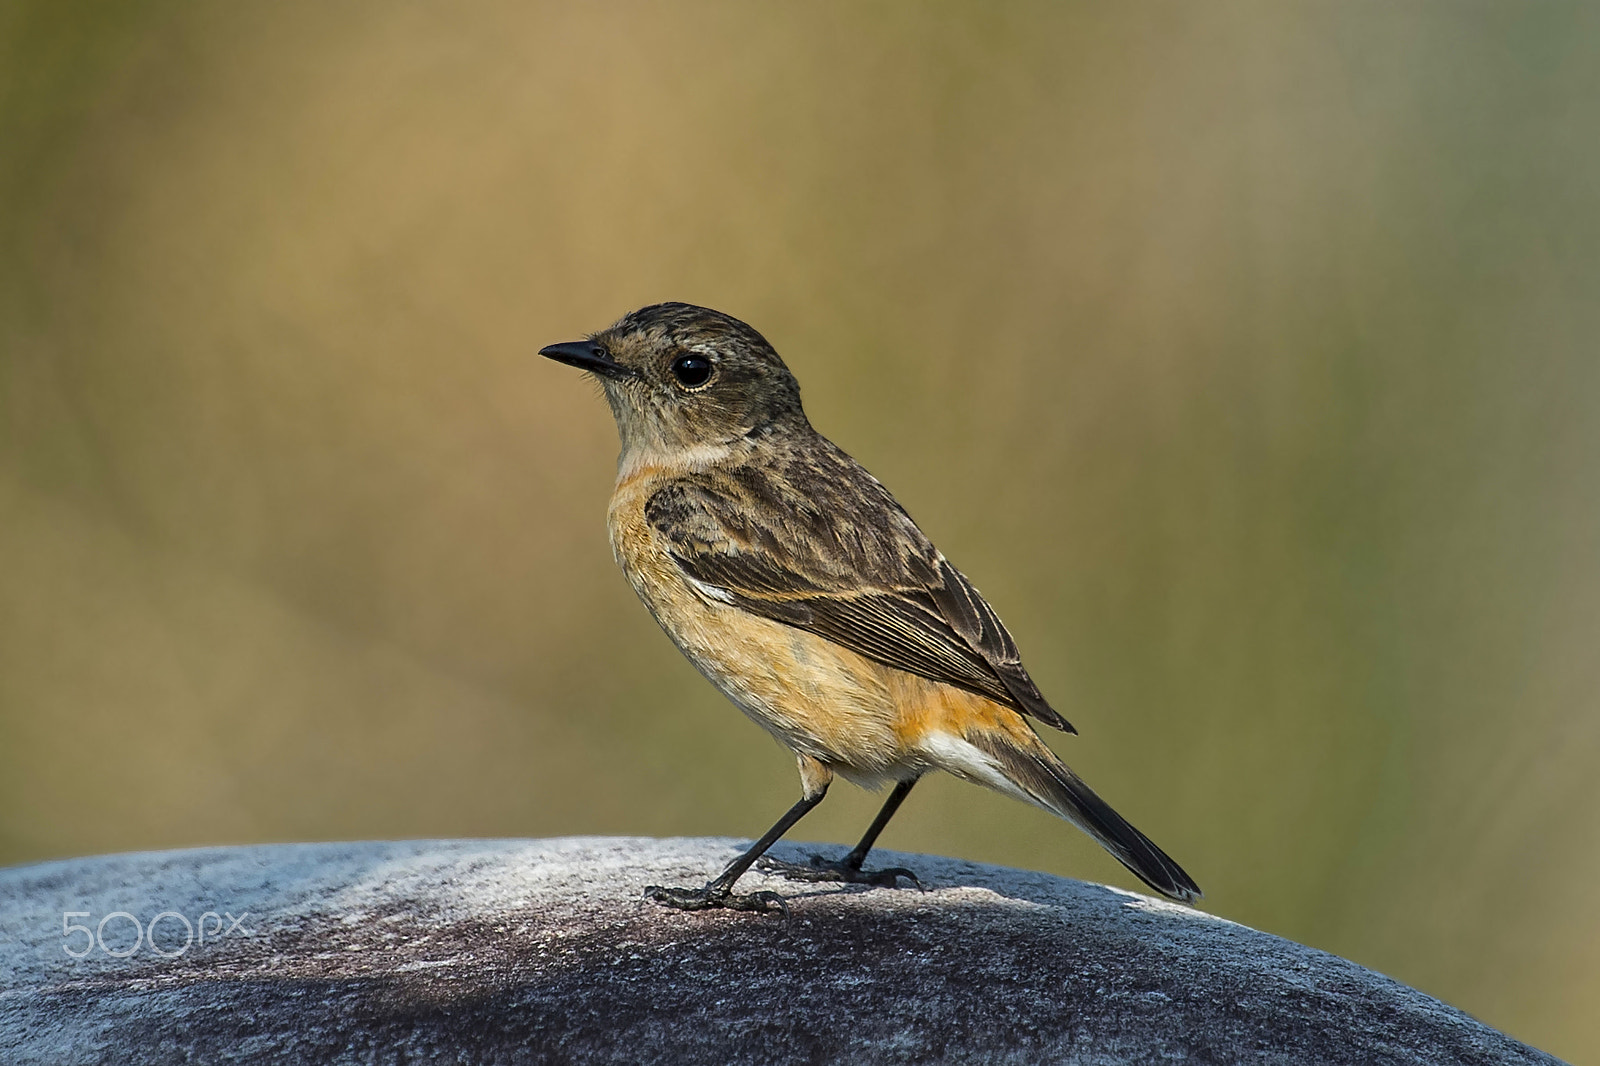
{"points": [[680, 376]]}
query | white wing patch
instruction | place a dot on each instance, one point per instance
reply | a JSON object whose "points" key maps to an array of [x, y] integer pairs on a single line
{"points": [[709, 591]]}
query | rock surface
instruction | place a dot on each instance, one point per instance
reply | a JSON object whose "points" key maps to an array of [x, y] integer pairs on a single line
{"points": [[544, 951]]}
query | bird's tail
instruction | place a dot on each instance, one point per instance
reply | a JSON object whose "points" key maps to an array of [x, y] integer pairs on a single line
{"points": [[1043, 778]]}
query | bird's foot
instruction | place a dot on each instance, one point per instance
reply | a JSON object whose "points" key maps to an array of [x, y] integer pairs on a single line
{"points": [[821, 869], [709, 898]]}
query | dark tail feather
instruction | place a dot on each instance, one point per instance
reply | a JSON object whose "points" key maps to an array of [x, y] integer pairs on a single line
{"points": [[1054, 786]]}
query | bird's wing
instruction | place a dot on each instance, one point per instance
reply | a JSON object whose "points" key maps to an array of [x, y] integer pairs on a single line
{"points": [[840, 558]]}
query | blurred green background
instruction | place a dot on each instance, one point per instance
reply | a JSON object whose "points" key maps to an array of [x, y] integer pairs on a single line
{"points": [[1243, 354]]}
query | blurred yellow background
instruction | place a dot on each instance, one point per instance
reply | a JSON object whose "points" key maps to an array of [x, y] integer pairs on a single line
{"points": [[1243, 354]]}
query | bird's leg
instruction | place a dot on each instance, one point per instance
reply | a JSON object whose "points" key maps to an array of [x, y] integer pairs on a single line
{"points": [[719, 893], [848, 869]]}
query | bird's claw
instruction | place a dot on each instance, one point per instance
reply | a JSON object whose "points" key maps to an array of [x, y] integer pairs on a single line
{"points": [[704, 899], [821, 869]]}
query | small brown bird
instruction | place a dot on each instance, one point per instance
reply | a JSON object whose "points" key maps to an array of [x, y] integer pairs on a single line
{"points": [[798, 586]]}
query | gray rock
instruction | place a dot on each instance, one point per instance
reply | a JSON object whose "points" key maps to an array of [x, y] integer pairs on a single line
{"points": [[544, 951]]}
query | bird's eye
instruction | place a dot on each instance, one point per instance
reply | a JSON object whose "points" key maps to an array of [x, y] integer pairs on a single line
{"points": [[692, 371]]}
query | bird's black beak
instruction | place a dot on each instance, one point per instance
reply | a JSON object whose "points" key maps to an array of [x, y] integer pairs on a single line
{"points": [[587, 355]]}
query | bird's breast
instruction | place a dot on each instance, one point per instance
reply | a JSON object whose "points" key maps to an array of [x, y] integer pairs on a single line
{"points": [[816, 697]]}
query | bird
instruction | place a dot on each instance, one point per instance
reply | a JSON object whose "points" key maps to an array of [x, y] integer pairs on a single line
{"points": [[801, 589]]}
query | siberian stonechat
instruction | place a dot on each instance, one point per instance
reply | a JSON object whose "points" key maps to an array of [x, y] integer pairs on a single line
{"points": [[798, 586]]}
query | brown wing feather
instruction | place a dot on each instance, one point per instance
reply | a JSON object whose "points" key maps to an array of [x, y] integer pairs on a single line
{"points": [[817, 543]]}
